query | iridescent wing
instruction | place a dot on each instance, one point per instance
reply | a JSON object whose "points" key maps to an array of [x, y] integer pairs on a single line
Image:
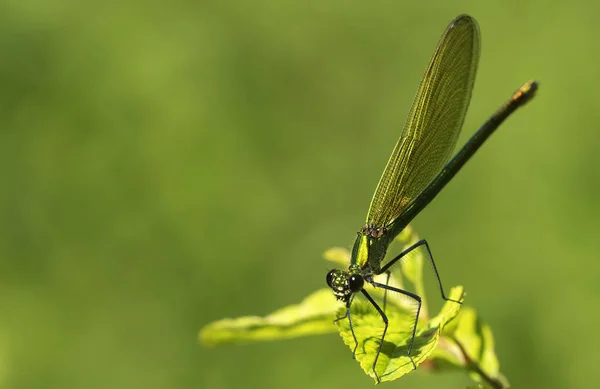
{"points": [[433, 124]]}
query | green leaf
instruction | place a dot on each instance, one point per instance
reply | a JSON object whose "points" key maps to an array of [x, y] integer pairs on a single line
{"points": [[393, 360], [407, 236], [339, 255], [314, 315], [465, 343], [468, 343], [476, 340]]}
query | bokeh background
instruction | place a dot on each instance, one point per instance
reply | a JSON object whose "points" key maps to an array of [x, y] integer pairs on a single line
{"points": [[167, 164]]}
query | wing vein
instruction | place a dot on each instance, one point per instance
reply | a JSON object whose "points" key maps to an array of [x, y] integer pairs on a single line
{"points": [[433, 123]]}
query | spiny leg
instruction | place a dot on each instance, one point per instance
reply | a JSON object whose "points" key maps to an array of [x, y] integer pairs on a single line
{"points": [[385, 322], [431, 261], [414, 331], [347, 315], [387, 281]]}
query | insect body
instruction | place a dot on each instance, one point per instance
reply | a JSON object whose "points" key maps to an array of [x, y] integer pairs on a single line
{"points": [[420, 166]]}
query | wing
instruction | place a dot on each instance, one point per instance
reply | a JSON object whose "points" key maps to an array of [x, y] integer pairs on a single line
{"points": [[433, 124]]}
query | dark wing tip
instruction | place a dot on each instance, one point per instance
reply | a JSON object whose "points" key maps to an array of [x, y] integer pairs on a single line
{"points": [[463, 19]]}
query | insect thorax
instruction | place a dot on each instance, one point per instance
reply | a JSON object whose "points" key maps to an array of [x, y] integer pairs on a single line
{"points": [[370, 247], [373, 231]]}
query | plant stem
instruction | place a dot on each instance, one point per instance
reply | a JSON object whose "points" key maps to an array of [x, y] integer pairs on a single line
{"points": [[496, 383]]}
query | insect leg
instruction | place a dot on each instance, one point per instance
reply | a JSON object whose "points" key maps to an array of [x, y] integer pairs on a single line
{"points": [[429, 256], [385, 322], [347, 315], [387, 281], [414, 331]]}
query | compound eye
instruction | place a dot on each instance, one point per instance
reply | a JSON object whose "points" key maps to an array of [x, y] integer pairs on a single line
{"points": [[356, 283], [330, 277]]}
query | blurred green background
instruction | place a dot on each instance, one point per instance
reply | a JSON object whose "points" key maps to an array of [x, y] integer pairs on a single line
{"points": [[164, 165]]}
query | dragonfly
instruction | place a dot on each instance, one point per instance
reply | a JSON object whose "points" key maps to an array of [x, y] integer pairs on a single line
{"points": [[419, 167]]}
